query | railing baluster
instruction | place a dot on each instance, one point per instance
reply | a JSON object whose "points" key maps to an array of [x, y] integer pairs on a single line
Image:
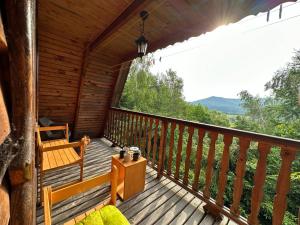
{"points": [[155, 142], [126, 136], [259, 181], [145, 135], [210, 163], [110, 125], [115, 127], [188, 156], [201, 134], [131, 137], [170, 159], [124, 129], [179, 150], [118, 128], [288, 155], [149, 147], [121, 129], [162, 149], [240, 173], [140, 131], [223, 171], [135, 119]]}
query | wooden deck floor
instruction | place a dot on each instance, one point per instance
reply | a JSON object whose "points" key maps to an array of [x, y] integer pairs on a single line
{"points": [[162, 202]]}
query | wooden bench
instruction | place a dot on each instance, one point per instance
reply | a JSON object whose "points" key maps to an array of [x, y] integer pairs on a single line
{"points": [[53, 197], [55, 154]]}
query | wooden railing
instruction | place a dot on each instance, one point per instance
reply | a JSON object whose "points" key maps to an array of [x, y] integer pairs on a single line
{"points": [[186, 153]]}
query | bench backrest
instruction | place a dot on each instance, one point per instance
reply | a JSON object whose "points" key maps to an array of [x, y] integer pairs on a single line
{"points": [[52, 197], [52, 128]]}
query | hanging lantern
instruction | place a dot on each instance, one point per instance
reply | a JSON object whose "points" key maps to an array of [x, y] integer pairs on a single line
{"points": [[142, 42]]}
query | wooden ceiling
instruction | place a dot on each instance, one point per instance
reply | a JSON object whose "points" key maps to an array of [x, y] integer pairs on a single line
{"points": [[80, 20], [170, 21]]}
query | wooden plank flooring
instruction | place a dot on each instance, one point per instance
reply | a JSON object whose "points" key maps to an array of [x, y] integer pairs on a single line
{"points": [[162, 202]]}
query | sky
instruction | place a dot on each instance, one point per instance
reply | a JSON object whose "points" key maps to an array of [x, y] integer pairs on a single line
{"points": [[236, 57]]}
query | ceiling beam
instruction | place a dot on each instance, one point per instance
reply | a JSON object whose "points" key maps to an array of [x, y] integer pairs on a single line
{"points": [[126, 15]]}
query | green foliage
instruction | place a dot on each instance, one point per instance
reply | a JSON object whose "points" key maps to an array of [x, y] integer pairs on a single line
{"points": [[278, 114]]}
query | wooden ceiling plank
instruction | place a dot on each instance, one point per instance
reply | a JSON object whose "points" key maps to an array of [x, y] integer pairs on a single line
{"points": [[125, 16]]}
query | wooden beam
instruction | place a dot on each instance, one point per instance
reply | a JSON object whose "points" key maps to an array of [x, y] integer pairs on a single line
{"points": [[119, 86], [126, 15], [21, 38], [80, 87]]}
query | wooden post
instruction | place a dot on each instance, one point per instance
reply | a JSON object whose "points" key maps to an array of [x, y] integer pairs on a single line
{"points": [[21, 44]]}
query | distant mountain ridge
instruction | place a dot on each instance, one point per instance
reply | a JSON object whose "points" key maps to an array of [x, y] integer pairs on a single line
{"points": [[226, 105]]}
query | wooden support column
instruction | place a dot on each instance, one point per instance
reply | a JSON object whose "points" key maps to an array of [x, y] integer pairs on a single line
{"points": [[21, 41], [119, 86]]}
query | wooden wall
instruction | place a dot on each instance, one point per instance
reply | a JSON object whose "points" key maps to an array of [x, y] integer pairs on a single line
{"points": [[96, 94], [60, 61], [59, 75]]}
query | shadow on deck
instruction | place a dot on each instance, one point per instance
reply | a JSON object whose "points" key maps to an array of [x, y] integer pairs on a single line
{"points": [[162, 202]]}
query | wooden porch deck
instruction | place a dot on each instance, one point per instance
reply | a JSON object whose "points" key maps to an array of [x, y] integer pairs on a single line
{"points": [[162, 202]]}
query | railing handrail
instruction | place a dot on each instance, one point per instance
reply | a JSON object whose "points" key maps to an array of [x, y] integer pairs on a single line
{"points": [[279, 141]]}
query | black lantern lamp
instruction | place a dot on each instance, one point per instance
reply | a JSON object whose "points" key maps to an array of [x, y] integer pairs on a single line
{"points": [[142, 42]]}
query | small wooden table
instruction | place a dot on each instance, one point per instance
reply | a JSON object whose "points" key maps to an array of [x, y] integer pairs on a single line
{"points": [[131, 179]]}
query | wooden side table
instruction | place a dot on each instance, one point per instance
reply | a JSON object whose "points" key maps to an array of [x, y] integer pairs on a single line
{"points": [[131, 178]]}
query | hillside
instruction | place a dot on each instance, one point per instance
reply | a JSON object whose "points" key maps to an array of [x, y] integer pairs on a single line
{"points": [[226, 105]]}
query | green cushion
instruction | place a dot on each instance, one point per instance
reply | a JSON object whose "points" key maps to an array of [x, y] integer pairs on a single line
{"points": [[112, 216], [108, 215], [93, 218]]}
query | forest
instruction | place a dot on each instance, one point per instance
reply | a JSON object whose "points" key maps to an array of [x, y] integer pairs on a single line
{"points": [[278, 114]]}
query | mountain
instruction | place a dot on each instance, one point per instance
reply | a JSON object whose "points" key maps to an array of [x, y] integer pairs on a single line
{"points": [[226, 105]]}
